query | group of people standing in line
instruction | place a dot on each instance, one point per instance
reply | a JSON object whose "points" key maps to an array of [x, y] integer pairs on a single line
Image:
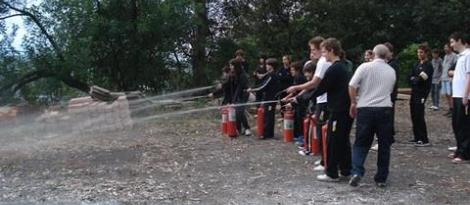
{"points": [[326, 87]]}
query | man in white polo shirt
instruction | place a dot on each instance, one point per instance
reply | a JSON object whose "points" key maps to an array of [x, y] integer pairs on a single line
{"points": [[460, 95], [370, 92]]}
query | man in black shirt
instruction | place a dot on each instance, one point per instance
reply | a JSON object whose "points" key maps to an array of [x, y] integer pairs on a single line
{"points": [[240, 56], [335, 83], [421, 81], [284, 75], [392, 61], [259, 75]]}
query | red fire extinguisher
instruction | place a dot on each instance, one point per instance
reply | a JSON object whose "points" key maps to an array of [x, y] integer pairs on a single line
{"points": [[260, 121], [289, 125], [232, 123], [306, 132], [315, 140], [224, 120], [325, 143]]}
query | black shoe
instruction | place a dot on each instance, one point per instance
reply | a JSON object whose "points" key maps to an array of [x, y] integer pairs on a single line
{"points": [[344, 177], [381, 184], [355, 180], [422, 144]]}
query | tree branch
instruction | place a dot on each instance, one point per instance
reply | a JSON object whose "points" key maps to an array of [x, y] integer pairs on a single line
{"points": [[10, 16], [38, 74], [40, 25], [35, 75]]}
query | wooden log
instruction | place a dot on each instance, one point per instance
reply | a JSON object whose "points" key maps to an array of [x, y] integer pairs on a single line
{"points": [[102, 94]]}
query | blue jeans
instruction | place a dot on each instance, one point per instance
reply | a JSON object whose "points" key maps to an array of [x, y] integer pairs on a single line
{"points": [[436, 93], [371, 121]]}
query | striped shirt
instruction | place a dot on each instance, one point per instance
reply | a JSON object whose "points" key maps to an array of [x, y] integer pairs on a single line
{"points": [[375, 81]]}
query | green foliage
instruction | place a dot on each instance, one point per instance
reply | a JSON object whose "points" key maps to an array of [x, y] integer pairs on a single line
{"points": [[161, 45], [408, 59]]}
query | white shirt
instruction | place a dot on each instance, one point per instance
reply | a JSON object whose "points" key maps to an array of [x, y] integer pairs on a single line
{"points": [[462, 69], [322, 67], [375, 82]]}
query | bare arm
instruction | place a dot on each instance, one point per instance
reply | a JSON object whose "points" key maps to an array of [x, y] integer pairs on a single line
{"points": [[309, 85], [467, 90], [353, 97]]}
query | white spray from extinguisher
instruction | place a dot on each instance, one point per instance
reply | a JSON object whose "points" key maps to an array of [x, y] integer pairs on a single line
{"points": [[185, 112]]}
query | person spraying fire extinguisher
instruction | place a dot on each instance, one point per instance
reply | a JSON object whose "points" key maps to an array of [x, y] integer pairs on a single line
{"points": [[269, 88]]}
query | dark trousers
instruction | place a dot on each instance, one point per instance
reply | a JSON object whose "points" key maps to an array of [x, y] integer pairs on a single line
{"points": [[417, 118], [241, 118], [321, 113], [282, 95], [339, 146], [299, 114], [436, 93], [461, 127], [259, 96], [393, 122], [269, 113], [371, 121]]}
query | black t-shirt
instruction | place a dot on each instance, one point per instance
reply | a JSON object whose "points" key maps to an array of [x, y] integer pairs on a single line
{"points": [[285, 79], [225, 90], [336, 84], [420, 87], [238, 86], [245, 66], [395, 64], [299, 79], [272, 87]]}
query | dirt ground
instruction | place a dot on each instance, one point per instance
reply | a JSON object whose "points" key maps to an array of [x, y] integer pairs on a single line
{"points": [[185, 160]]}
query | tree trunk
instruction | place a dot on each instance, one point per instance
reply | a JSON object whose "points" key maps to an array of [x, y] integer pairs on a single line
{"points": [[199, 58]]}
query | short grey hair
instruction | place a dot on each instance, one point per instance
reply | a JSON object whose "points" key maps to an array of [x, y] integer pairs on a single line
{"points": [[381, 51]]}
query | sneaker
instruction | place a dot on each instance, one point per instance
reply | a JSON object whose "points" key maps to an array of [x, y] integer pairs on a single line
{"points": [[304, 152], [247, 132], [422, 144], [326, 178], [355, 180], [459, 160], [433, 107], [452, 156], [375, 147], [381, 184], [319, 168], [452, 149], [318, 162]]}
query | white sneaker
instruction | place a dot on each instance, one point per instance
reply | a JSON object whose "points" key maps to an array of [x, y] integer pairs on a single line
{"points": [[319, 168], [304, 152], [247, 132], [326, 178], [453, 149], [375, 147], [317, 162]]}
